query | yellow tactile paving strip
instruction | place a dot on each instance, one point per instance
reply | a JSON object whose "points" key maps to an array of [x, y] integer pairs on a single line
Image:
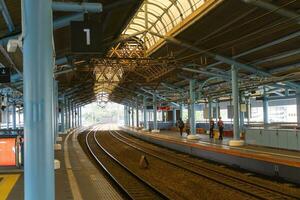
{"points": [[7, 183]]}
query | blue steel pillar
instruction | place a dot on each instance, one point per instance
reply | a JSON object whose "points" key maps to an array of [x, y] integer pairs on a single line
{"points": [[181, 109], [132, 116], [129, 114], [80, 116], [192, 107], [125, 118], [38, 62], [62, 115], [75, 116], [71, 114], [217, 109], [265, 108], [235, 99], [248, 101], [298, 106], [55, 108], [137, 114], [67, 113], [242, 114], [174, 117], [145, 113], [19, 117], [14, 116], [154, 112], [7, 114], [209, 108]]}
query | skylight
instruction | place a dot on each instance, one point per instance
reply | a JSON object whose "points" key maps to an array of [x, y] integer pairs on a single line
{"points": [[162, 15]]}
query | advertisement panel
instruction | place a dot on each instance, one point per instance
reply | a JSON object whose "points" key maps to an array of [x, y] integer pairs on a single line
{"points": [[7, 152]]}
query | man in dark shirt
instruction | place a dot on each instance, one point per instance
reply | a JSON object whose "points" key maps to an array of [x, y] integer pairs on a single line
{"points": [[211, 128], [180, 125]]}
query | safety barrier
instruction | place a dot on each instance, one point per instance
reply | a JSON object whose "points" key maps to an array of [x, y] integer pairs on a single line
{"points": [[277, 138]]}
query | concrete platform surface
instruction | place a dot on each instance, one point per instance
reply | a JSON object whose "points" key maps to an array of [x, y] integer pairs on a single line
{"points": [[77, 177]]}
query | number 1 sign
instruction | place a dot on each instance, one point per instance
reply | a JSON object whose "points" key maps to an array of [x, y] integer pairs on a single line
{"points": [[86, 37]]}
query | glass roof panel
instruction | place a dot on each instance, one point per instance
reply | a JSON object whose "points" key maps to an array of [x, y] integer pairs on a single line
{"points": [[162, 15]]}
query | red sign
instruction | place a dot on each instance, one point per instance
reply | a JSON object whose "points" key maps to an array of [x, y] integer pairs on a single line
{"points": [[164, 108], [7, 152]]}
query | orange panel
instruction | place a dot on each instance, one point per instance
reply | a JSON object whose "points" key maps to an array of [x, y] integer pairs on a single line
{"points": [[7, 152]]}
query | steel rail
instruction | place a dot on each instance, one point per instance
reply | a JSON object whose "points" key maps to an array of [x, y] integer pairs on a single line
{"points": [[128, 193], [238, 187]]}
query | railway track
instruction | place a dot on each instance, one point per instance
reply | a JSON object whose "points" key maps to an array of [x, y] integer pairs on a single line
{"points": [[250, 188], [130, 184]]}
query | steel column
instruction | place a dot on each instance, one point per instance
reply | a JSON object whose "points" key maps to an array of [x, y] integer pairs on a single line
{"points": [[242, 116], [124, 118], [72, 115], [217, 109], [80, 115], [55, 120], [69, 114], [66, 112], [128, 115], [209, 108], [62, 115], [132, 116], [7, 115], [77, 116], [14, 116], [137, 114], [181, 110], [154, 112], [192, 107], [298, 106], [235, 99], [174, 117], [265, 108], [145, 112], [19, 116], [38, 65]]}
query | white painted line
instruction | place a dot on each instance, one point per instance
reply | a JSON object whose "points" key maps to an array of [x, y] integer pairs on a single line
{"points": [[71, 177]]}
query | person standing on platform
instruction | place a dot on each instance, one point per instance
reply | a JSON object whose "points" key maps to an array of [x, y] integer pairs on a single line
{"points": [[221, 128], [211, 128], [180, 125]]}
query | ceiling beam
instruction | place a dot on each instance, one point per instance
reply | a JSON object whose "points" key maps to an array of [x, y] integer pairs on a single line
{"points": [[6, 16], [276, 9], [77, 7]]}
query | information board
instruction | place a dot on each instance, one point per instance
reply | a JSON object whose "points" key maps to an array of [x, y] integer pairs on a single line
{"points": [[86, 37]]}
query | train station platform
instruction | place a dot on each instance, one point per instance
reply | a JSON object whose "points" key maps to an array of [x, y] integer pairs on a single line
{"points": [[283, 164], [77, 177]]}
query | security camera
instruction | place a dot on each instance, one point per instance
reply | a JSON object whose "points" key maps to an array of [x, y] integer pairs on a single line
{"points": [[13, 44]]}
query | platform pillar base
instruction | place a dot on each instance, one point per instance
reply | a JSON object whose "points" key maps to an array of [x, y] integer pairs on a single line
{"points": [[59, 139], [57, 146], [155, 131], [193, 137], [236, 143], [56, 164], [144, 129]]}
